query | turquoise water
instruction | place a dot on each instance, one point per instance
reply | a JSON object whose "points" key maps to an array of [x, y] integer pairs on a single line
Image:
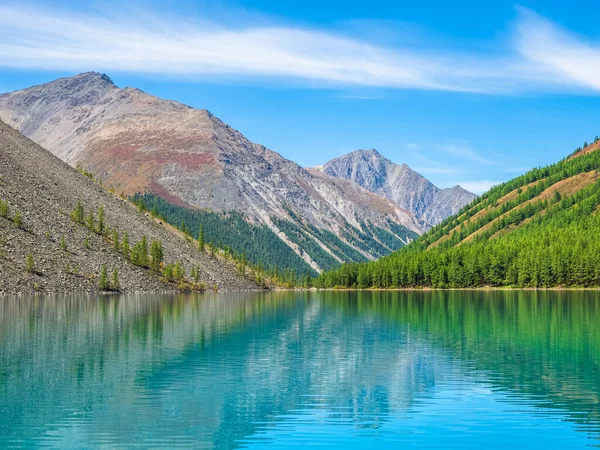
{"points": [[319, 369]]}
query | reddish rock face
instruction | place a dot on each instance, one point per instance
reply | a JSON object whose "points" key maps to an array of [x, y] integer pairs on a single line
{"points": [[136, 142]]}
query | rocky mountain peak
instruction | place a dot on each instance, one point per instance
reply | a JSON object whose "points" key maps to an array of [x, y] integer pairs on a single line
{"points": [[80, 85], [368, 168], [400, 184], [94, 77]]}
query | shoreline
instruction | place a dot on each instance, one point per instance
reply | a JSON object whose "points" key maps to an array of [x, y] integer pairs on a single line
{"points": [[486, 288]]}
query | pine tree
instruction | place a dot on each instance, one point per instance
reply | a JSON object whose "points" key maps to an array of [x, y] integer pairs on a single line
{"points": [[168, 272], [18, 219], [115, 280], [3, 209], [115, 240], [178, 271], [91, 223], [125, 245], [101, 225], [86, 243], [77, 215], [139, 253], [156, 255], [30, 264], [201, 238], [103, 281], [63, 244]]}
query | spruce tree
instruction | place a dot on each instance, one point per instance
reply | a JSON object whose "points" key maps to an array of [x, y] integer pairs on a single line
{"points": [[30, 264], [125, 245], [77, 215], [18, 219], [101, 225], [115, 280], [3, 209], [139, 253], [557, 197], [91, 223], [178, 271], [168, 272], [103, 281], [115, 239], [156, 255], [201, 238]]}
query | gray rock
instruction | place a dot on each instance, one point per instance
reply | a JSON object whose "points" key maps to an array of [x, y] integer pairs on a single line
{"points": [[400, 184], [26, 168]]}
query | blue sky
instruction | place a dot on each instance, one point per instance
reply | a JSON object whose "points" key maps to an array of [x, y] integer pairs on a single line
{"points": [[464, 92]]}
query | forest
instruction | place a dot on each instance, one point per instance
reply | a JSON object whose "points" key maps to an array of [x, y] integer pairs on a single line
{"points": [[523, 233], [259, 247], [255, 244]]}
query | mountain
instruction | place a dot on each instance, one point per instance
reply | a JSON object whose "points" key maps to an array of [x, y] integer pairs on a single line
{"points": [[400, 184], [538, 230], [43, 249], [140, 144]]}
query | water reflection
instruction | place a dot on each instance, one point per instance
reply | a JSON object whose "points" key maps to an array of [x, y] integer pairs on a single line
{"points": [[280, 369]]}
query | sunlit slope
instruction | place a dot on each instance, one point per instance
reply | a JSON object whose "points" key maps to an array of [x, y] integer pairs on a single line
{"points": [[538, 230]]}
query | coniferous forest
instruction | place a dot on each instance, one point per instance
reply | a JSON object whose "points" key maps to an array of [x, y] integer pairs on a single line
{"points": [[538, 230], [229, 231]]}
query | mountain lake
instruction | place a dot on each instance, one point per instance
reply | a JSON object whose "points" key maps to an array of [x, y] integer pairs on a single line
{"points": [[438, 369]]}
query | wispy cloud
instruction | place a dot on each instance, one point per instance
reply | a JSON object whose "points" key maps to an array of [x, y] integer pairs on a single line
{"points": [[478, 186], [560, 57], [467, 154], [68, 41], [541, 54]]}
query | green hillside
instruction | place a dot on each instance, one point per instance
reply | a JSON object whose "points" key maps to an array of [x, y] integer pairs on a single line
{"points": [[538, 230], [259, 246]]}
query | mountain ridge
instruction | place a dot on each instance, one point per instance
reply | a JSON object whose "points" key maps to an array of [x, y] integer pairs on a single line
{"points": [[137, 143], [400, 184]]}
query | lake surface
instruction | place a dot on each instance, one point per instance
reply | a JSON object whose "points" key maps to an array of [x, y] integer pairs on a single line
{"points": [[320, 369]]}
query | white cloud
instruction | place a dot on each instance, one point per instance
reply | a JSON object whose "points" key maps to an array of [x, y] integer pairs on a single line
{"points": [[33, 38], [478, 186], [540, 56], [412, 146], [560, 57]]}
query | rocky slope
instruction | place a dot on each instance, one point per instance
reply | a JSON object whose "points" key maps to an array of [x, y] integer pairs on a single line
{"points": [[400, 184], [44, 191], [138, 143]]}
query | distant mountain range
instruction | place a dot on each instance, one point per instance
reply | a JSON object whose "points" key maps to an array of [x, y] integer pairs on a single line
{"points": [[360, 207]]}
